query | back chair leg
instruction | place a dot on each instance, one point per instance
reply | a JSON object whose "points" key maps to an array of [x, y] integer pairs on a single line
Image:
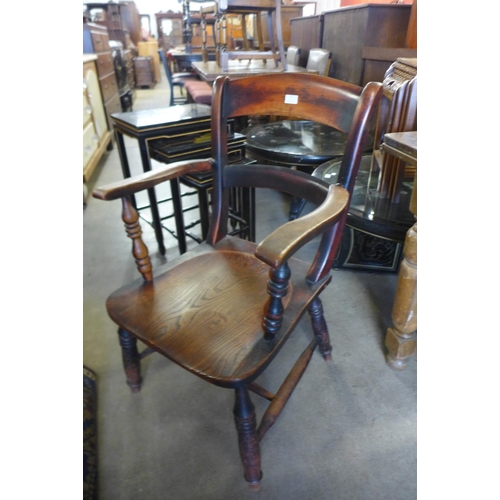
{"points": [[246, 425], [320, 329], [131, 360]]}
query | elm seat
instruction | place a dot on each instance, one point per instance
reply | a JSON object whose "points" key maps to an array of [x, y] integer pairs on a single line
{"points": [[225, 309]]}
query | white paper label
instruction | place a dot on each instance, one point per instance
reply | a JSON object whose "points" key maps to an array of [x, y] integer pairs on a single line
{"points": [[291, 99]]}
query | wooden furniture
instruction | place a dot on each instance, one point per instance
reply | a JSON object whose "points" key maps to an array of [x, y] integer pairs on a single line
{"points": [[176, 80], [96, 134], [210, 70], [306, 33], [288, 12], [150, 49], [168, 135], [349, 30], [96, 41], [120, 18], [224, 310], [153, 124], [144, 72], [129, 63], [401, 338], [222, 8], [398, 113], [293, 55], [319, 60], [169, 29]]}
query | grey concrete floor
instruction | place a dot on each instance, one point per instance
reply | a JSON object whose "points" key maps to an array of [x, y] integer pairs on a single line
{"points": [[348, 431]]}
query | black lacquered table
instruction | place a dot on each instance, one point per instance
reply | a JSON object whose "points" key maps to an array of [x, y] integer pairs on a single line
{"points": [[176, 123], [375, 228], [301, 144]]}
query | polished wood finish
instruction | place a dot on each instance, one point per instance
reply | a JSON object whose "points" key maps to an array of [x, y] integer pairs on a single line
{"points": [[347, 31], [96, 41], [210, 70], [207, 310], [306, 33], [401, 338]]}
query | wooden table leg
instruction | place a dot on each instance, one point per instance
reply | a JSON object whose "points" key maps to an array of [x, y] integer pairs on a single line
{"points": [[401, 339]]}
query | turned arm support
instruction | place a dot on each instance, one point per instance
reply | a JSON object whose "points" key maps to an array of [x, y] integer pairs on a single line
{"points": [[282, 243], [150, 179]]}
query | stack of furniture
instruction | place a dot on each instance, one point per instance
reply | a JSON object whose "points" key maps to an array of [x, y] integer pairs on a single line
{"points": [[96, 41], [96, 133]]}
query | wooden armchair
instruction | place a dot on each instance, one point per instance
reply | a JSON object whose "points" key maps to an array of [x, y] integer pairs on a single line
{"points": [[224, 310]]}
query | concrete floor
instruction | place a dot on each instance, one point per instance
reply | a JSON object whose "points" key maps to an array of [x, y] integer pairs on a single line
{"points": [[348, 431]]}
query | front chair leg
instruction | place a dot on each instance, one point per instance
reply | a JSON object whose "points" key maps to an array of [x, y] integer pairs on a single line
{"points": [[320, 329], [131, 360], [246, 425]]}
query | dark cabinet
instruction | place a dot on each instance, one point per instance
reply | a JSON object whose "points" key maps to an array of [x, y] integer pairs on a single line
{"points": [[349, 31]]}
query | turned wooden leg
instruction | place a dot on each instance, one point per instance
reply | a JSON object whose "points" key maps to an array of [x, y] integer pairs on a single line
{"points": [[401, 339], [320, 329], [246, 425], [131, 360]]}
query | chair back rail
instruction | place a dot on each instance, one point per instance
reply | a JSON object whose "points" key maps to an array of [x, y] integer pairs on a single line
{"points": [[340, 105]]}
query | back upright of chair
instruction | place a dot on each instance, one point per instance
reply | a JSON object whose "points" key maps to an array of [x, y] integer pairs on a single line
{"points": [[341, 105]]}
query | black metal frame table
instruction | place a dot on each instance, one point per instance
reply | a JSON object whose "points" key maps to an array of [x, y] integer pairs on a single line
{"points": [[176, 121]]}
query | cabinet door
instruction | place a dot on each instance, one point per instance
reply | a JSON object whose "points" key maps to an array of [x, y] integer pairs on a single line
{"points": [[94, 95]]}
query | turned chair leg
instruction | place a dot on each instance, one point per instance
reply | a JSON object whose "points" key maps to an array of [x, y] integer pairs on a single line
{"points": [[320, 329], [246, 425], [131, 360]]}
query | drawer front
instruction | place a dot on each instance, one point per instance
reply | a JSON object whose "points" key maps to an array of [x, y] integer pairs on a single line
{"points": [[105, 64], [113, 106], [109, 87], [100, 41], [90, 143]]}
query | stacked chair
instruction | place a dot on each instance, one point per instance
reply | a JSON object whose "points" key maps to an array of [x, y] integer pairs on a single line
{"points": [[398, 113]]}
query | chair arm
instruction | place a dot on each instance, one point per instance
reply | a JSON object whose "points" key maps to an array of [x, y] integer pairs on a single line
{"points": [[282, 243], [150, 179]]}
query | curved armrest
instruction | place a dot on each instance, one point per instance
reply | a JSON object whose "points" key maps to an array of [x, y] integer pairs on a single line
{"points": [[282, 243], [150, 179]]}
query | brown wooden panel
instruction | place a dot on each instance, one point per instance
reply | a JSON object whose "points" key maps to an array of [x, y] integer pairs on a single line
{"points": [[109, 86], [105, 64], [348, 30], [306, 33]]}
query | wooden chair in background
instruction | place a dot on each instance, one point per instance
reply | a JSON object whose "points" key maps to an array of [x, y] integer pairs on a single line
{"points": [[176, 80], [293, 55], [224, 310]]}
